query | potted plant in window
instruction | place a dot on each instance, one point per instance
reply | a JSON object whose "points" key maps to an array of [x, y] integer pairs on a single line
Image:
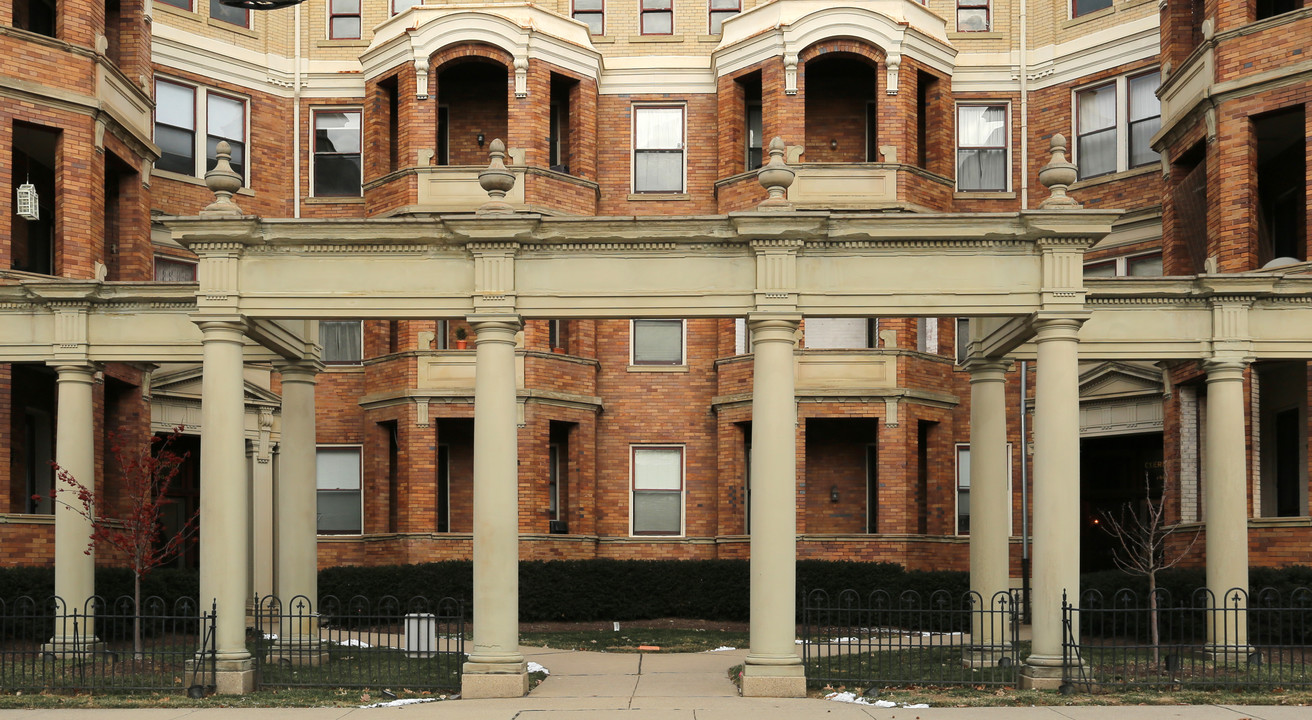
{"points": [[462, 339]]}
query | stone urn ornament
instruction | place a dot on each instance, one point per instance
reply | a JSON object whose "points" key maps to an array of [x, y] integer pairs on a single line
{"points": [[776, 177], [1057, 175], [497, 181], [223, 181]]}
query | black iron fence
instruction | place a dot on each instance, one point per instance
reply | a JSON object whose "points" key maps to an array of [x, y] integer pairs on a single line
{"points": [[383, 643], [1197, 642], [910, 639], [46, 645]]}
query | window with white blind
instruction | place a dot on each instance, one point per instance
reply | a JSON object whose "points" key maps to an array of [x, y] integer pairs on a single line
{"points": [[344, 19], [1143, 265], [592, 12], [657, 149], [657, 342], [1114, 124], [832, 333], [337, 478], [186, 113], [167, 270], [962, 339], [657, 17], [657, 491], [342, 342], [741, 342], [400, 6], [982, 160], [927, 335], [721, 10]]}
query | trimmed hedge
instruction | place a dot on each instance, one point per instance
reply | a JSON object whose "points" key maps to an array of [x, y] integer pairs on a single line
{"points": [[38, 583], [582, 590]]}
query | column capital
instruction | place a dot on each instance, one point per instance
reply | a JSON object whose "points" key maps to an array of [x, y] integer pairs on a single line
{"points": [[1065, 326], [217, 323], [306, 371], [1225, 369], [495, 322], [767, 326], [987, 369], [71, 372]]}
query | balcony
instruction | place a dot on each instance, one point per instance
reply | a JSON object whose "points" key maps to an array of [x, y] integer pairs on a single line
{"points": [[845, 372], [455, 189], [846, 186]]}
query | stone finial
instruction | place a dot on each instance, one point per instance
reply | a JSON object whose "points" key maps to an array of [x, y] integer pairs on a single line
{"points": [[775, 176], [497, 181], [223, 182], [1056, 176]]}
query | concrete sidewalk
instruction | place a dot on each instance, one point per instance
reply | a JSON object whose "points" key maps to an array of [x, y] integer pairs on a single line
{"points": [[596, 686]]}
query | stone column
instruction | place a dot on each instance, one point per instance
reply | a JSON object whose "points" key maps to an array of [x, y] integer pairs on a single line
{"points": [[296, 502], [225, 532], [990, 505], [1225, 504], [773, 668], [75, 448], [1056, 495], [495, 668]]}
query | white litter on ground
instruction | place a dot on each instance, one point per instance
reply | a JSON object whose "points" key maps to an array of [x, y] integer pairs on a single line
{"points": [[352, 642], [851, 697], [722, 648], [270, 636], [535, 667], [399, 703]]}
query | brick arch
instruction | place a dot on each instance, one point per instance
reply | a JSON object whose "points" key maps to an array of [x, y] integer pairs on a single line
{"points": [[845, 46], [470, 51]]}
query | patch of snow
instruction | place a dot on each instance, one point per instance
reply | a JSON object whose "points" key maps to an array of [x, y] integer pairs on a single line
{"points": [[352, 642], [845, 639], [399, 703], [535, 667], [722, 648], [851, 697]]}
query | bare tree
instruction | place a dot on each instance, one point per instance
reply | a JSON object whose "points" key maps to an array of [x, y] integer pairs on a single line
{"points": [[1141, 546]]}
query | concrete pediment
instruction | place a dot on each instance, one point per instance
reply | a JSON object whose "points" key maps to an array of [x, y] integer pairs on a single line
{"points": [[1116, 379], [186, 385]]}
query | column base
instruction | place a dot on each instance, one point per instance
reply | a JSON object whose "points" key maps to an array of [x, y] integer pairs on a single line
{"points": [[494, 680], [1231, 654], [300, 651], [774, 680], [1041, 673], [230, 677], [987, 656], [70, 648]]}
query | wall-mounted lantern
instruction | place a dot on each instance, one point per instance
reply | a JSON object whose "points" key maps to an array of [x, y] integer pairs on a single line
{"points": [[28, 207]]}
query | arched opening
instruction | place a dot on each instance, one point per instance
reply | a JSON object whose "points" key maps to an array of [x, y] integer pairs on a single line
{"points": [[471, 110], [841, 110]]}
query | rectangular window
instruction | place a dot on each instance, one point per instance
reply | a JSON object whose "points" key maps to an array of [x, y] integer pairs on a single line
{"points": [[344, 19], [1145, 265], [657, 507], [557, 334], [658, 149], [1145, 117], [722, 10], [336, 153], [657, 342], [167, 270], [833, 333], [972, 15], [342, 342], [36, 16], [1084, 7], [175, 127], [400, 6], [237, 16], [1106, 268], [927, 335], [963, 489], [553, 482], [657, 17], [963, 339], [338, 481], [982, 163], [225, 119], [592, 12], [180, 4], [1096, 131], [755, 143]]}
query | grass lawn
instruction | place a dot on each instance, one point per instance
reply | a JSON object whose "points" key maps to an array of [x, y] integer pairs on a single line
{"points": [[629, 639]]}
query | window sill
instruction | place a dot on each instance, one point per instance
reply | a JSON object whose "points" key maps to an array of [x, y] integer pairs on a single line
{"points": [[1113, 177], [341, 42], [983, 195], [1075, 21], [658, 368], [343, 368], [179, 177], [651, 197], [709, 38], [601, 39], [655, 38], [987, 35], [177, 12], [225, 25], [345, 200]]}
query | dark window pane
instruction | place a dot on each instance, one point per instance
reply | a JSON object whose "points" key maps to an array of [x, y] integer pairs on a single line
{"points": [[1084, 7], [337, 175], [1141, 153], [236, 16], [184, 4], [177, 150]]}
